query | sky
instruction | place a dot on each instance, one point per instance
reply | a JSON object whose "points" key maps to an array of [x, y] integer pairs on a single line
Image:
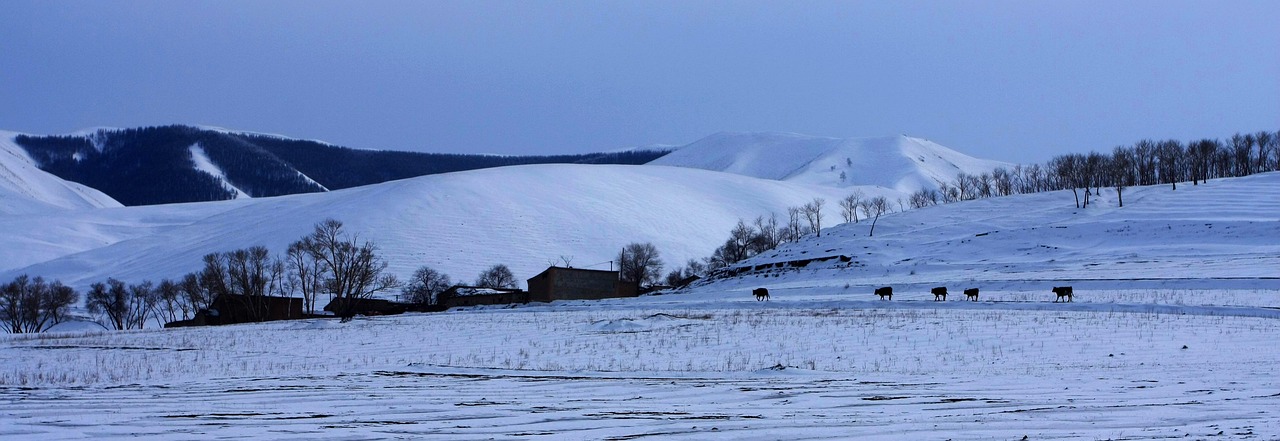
{"points": [[1017, 81]]}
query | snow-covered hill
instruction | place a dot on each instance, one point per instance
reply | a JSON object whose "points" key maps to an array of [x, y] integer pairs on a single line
{"points": [[25, 189], [899, 163], [1223, 233], [1175, 308], [525, 217]]}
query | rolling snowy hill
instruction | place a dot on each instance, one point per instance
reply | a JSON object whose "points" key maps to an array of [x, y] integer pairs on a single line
{"points": [[1222, 233], [25, 189], [526, 217], [1169, 335], [899, 163]]}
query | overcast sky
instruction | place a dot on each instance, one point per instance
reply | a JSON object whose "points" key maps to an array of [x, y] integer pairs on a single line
{"points": [[1016, 81]]}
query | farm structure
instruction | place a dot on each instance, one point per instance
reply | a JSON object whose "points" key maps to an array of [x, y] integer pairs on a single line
{"points": [[462, 295], [365, 306], [229, 309], [559, 283]]}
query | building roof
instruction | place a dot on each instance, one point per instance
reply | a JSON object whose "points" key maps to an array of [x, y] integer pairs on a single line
{"points": [[463, 291], [561, 268]]}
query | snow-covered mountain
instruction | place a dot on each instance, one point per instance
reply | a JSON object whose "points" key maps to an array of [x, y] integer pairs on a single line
{"points": [[525, 217], [899, 163], [25, 189], [173, 164]]}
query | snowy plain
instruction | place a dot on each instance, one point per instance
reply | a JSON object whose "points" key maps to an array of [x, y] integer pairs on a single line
{"points": [[1172, 335]]}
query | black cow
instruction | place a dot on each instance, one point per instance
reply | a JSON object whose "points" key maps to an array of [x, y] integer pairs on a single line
{"points": [[971, 294], [939, 293], [1062, 292], [761, 294], [885, 292]]}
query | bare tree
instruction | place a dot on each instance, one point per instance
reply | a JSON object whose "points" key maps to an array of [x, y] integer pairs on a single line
{"points": [[1202, 153], [640, 263], [694, 268], [1266, 145], [305, 271], [197, 296], [738, 247], [1242, 154], [143, 304], [32, 305], [350, 269], [877, 206], [247, 276], [813, 214], [124, 307], [1144, 155], [680, 273], [1170, 155], [1096, 171], [171, 305], [1002, 181], [795, 229], [984, 185], [965, 185], [674, 276], [1067, 170], [849, 206], [425, 285], [767, 234], [497, 276], [948, 193], [923, 198], [1122, 160]]}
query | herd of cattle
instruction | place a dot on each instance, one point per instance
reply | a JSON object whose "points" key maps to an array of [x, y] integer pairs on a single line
{"points": [[1063, 293]]}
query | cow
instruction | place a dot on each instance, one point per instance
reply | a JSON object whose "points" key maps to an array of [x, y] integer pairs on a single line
{"points": [[971, 294], [939, 293], [761, 294], [1062, 292], [885, 292]]}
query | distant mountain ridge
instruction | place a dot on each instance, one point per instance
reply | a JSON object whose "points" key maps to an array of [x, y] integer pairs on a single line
{"points": [[176, 163], [899, 163]]}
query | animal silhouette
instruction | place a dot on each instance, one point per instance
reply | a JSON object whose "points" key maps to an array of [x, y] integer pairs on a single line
{"points": [[939, 293], [762, 294], [885, 292], [1063, 292]]}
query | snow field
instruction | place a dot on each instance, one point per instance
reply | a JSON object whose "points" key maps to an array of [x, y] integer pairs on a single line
{"points": [[634, 368]]}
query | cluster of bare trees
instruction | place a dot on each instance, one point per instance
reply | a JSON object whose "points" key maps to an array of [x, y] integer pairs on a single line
{"points": [[1146, 162], [33, 305], [871, 208], [326, 262], [745, 240], [748, 239], [426, 284]]}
